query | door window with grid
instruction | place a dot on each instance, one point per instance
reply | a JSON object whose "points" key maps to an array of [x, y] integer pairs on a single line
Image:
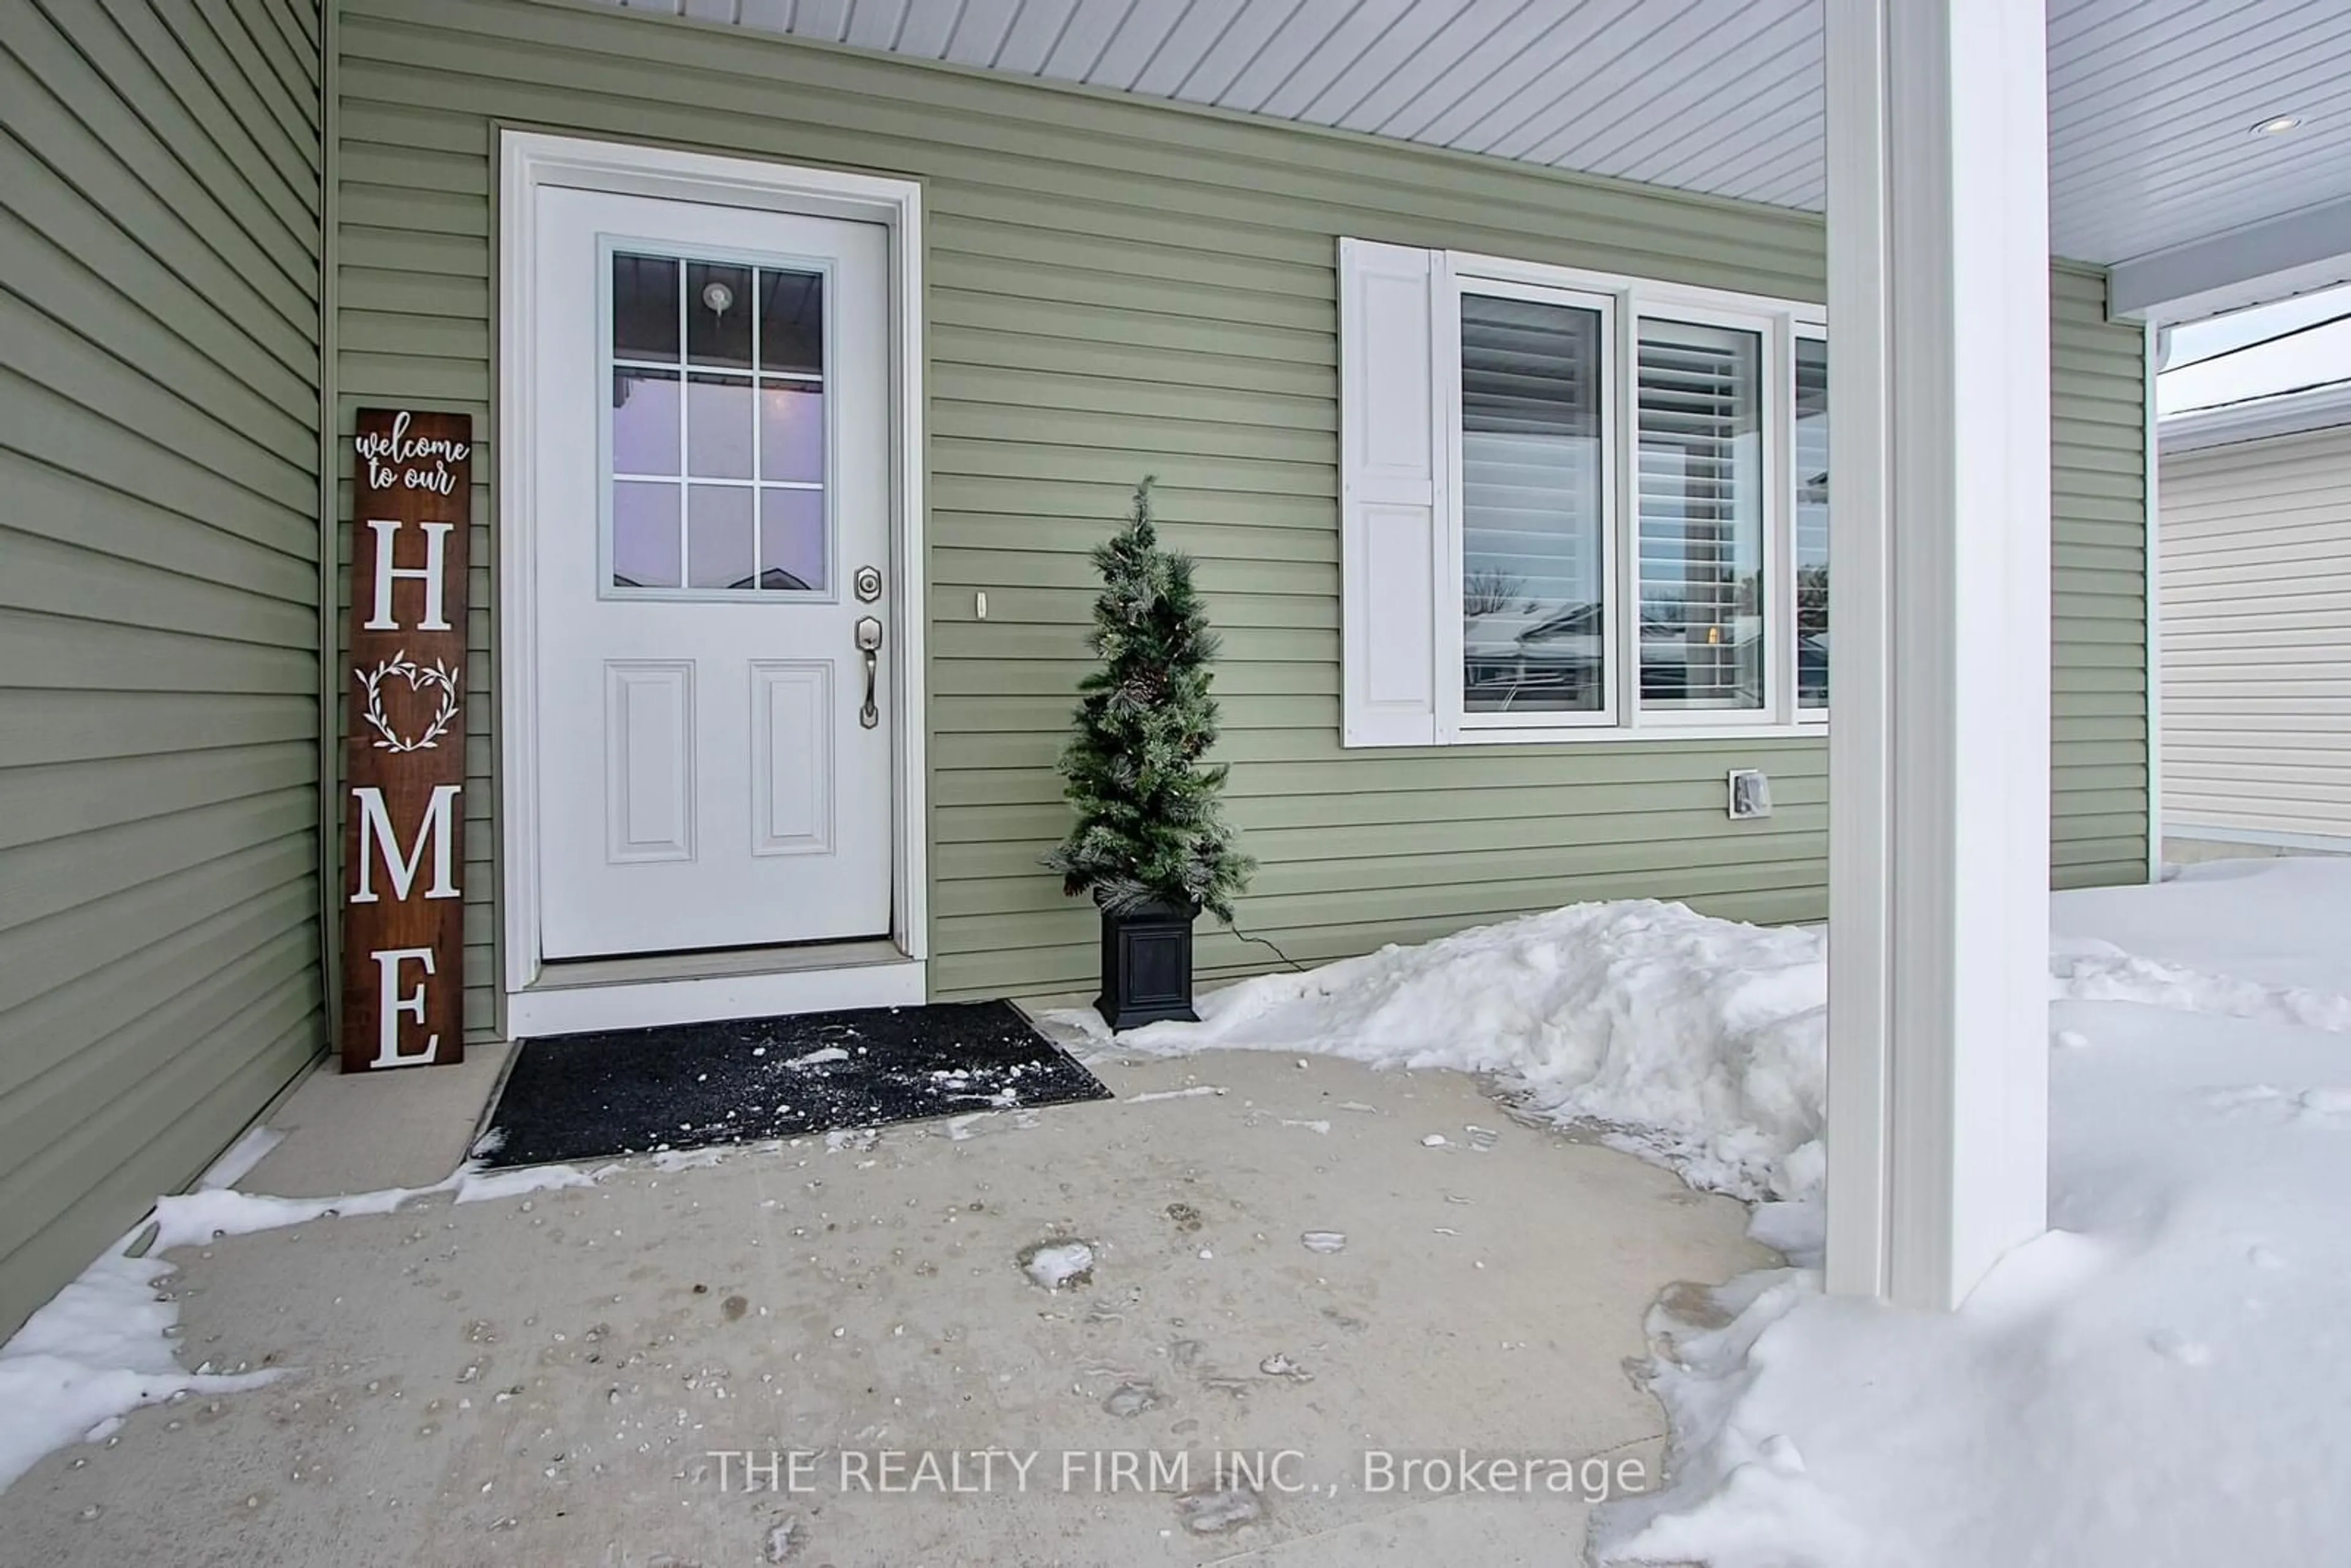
{"points": [[716, 443]]}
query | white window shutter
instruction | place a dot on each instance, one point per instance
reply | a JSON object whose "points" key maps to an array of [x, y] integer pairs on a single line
{"points": [[1391, 494]]}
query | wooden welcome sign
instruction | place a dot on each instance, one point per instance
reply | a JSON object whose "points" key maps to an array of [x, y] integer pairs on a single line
{"points": [[405, 755]]}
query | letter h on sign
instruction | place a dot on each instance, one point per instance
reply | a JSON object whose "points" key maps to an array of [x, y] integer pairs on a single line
{"points": [[404, 746]]}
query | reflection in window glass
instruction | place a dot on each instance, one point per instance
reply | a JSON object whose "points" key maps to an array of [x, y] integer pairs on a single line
{"points": [[1534, 630], [791, 322], [644, 309], [720, 548], [1811, 523], [791, 539], [718, 315], [645, 536], [1700, 536], [792, 430], [718, 432], [644, 422]]}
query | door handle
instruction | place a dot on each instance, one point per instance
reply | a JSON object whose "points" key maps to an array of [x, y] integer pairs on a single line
{"points": [[869, 642]]}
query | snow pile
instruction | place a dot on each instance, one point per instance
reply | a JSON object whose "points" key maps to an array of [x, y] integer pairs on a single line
{"points": [[99, 1349], [1698, 1042], [2152, 1383]]}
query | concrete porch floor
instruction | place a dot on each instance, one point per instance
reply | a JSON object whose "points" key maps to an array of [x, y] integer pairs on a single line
{"points": [[545, 1380]]}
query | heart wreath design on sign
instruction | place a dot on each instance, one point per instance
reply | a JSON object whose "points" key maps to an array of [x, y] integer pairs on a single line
{"points": [[436, 675]]}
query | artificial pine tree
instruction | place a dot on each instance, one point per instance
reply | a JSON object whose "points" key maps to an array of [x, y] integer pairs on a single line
{"points": [[1149, 827]]}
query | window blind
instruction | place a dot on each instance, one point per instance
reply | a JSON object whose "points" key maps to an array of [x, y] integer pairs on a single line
{"points": [[1534, 638], [1812, 522], [1700, 500]]}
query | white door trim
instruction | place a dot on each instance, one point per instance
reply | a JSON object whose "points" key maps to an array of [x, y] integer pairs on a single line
{"points": [[547, 1009], [529, 162]]}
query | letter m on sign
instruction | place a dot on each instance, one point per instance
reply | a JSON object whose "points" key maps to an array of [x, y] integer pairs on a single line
{"points": [[378, 840]]}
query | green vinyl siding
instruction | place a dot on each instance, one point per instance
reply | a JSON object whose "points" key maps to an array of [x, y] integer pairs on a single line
{"points": [[159, 236], [2099, 758], [1117, 288]]}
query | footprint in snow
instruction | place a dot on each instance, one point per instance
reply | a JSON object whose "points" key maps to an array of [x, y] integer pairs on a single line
{"points": [[2330, 1107], [2323, 1107]]}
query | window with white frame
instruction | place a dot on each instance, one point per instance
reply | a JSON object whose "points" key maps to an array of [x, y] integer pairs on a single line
{"points": [[1577, 506]]}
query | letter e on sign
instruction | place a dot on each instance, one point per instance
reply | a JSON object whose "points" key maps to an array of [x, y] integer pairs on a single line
{"points": [[405, 741]]}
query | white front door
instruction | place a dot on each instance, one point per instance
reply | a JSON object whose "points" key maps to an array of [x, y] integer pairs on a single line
{"points": [[714, 620]]}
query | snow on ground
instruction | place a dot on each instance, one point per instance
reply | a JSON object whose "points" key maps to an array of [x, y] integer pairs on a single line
{"points": [[100, 1349], [2278, 922], [209, 1213], [103, 1347], [2156, 1383]]}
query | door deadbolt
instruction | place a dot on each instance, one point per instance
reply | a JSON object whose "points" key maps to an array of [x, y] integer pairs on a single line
{"points": [[867, 584], [869, 642]]}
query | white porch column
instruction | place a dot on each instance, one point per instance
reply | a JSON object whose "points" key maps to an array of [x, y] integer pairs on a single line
{"points": [[1938, 746]]}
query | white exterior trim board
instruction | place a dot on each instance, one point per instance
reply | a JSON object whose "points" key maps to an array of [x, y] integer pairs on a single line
{"points": [[2257, 419], [2152, 459], [1860, 1178], [2317, 844], [562, 1010], [1938, 762], [2254, 263], [1647, 291]]}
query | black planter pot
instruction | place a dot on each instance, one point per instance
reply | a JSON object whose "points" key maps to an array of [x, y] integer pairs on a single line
{"points": [[1147, 964]]}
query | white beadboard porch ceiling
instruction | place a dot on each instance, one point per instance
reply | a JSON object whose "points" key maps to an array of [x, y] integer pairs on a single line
{"points": [[2151, 101]]}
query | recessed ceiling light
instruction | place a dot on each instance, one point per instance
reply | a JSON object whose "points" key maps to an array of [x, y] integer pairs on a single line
{"points": [[2277, 125]]}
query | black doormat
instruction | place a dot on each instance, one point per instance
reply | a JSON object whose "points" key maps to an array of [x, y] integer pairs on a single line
{"points": [[684, 1086]]}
